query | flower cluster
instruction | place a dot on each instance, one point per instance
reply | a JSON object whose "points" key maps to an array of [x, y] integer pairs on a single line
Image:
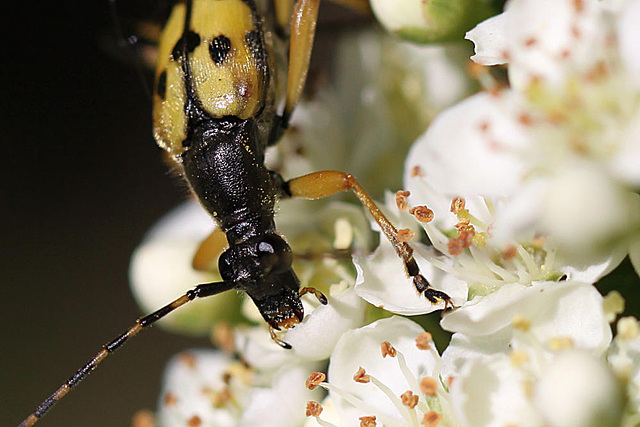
{"points": [[521, 197]]}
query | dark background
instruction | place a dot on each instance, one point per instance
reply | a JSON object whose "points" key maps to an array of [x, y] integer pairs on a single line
{"points": [[82, 180]]}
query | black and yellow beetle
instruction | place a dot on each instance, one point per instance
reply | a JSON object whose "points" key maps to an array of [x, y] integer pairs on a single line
{"points": [[216, 110]]}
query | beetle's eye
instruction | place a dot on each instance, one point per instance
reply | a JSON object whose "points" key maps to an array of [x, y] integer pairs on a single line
{"points": [[225, 268], [274, 255]]}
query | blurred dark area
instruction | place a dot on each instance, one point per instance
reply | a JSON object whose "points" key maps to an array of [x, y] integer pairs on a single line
{"points": [[82, 181]]}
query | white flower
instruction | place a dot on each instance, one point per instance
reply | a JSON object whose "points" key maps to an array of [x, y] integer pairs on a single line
{"points": [[624, 358], [532, 356], [161, 270], [572, 389], [387, 371], [569, 124], [210, 389], [578, 390], [548, 314]]}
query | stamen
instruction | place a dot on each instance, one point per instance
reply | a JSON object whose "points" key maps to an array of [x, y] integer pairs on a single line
{"points": [[224, 338], [561, 343], [368, 421], [387, 349], [431, 419], [480, 239], [221, 398], [402, 410], [361, 376], [314, 409], [314, 380], [194, 421], [188, 359], [406, 372], [405, 234], [424, 340], [521, 323], [509, 252], [401, 200], [422, 213], [353, 400], [518, 358], [428, 386], [457, 204], [170, 399], [455, 247], [530, 263], [143, 418], [409, 399], [628, 328], [613, 304], [416, 171]]}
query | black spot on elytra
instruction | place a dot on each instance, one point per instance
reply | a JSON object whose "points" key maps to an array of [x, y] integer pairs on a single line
{"points": [[219, 48], [161, 85], [186, 44]]}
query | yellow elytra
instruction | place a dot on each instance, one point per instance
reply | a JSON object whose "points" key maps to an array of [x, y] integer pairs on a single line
{"points": [[227, 70]]}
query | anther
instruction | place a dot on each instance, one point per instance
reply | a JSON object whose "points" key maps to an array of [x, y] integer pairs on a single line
{"points": [[143, 418], [187, 359], [509, 252], [314, 409], [561, 343], [401, 200], [518, 358], [424, 340], [409, 399], [194, 421], [431, 419], [521, 323], [457, 204], [221, 398], [314, 380], [387, 349], [422, 213], [428, 386], [368, 421], [223, 337], [416, 171], [361, 376], [455, 246], [406, 234], [170, 399]]}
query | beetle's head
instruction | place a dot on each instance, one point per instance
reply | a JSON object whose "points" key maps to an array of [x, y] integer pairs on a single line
{"points": [[261, 266]]}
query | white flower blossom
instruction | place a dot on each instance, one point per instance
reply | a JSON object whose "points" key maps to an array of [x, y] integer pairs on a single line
{"points": [[509, 364], [387, 371], [574, 107], [208, 388]]}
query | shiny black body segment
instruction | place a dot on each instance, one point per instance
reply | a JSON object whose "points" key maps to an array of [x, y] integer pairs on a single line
{"points": [[223, 163]]}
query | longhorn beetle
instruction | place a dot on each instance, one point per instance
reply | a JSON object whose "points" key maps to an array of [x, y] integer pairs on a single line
{"points": [[216, 111]]}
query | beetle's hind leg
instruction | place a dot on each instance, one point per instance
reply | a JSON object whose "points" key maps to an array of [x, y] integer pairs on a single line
{"points": [[326, 183]]}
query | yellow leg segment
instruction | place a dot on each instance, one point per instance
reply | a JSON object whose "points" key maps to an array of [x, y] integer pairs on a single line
{"points": [[206, 257], [322, 184]]}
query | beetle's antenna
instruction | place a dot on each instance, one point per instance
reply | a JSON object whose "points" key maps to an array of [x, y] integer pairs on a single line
{"points": [[200, 291]]}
